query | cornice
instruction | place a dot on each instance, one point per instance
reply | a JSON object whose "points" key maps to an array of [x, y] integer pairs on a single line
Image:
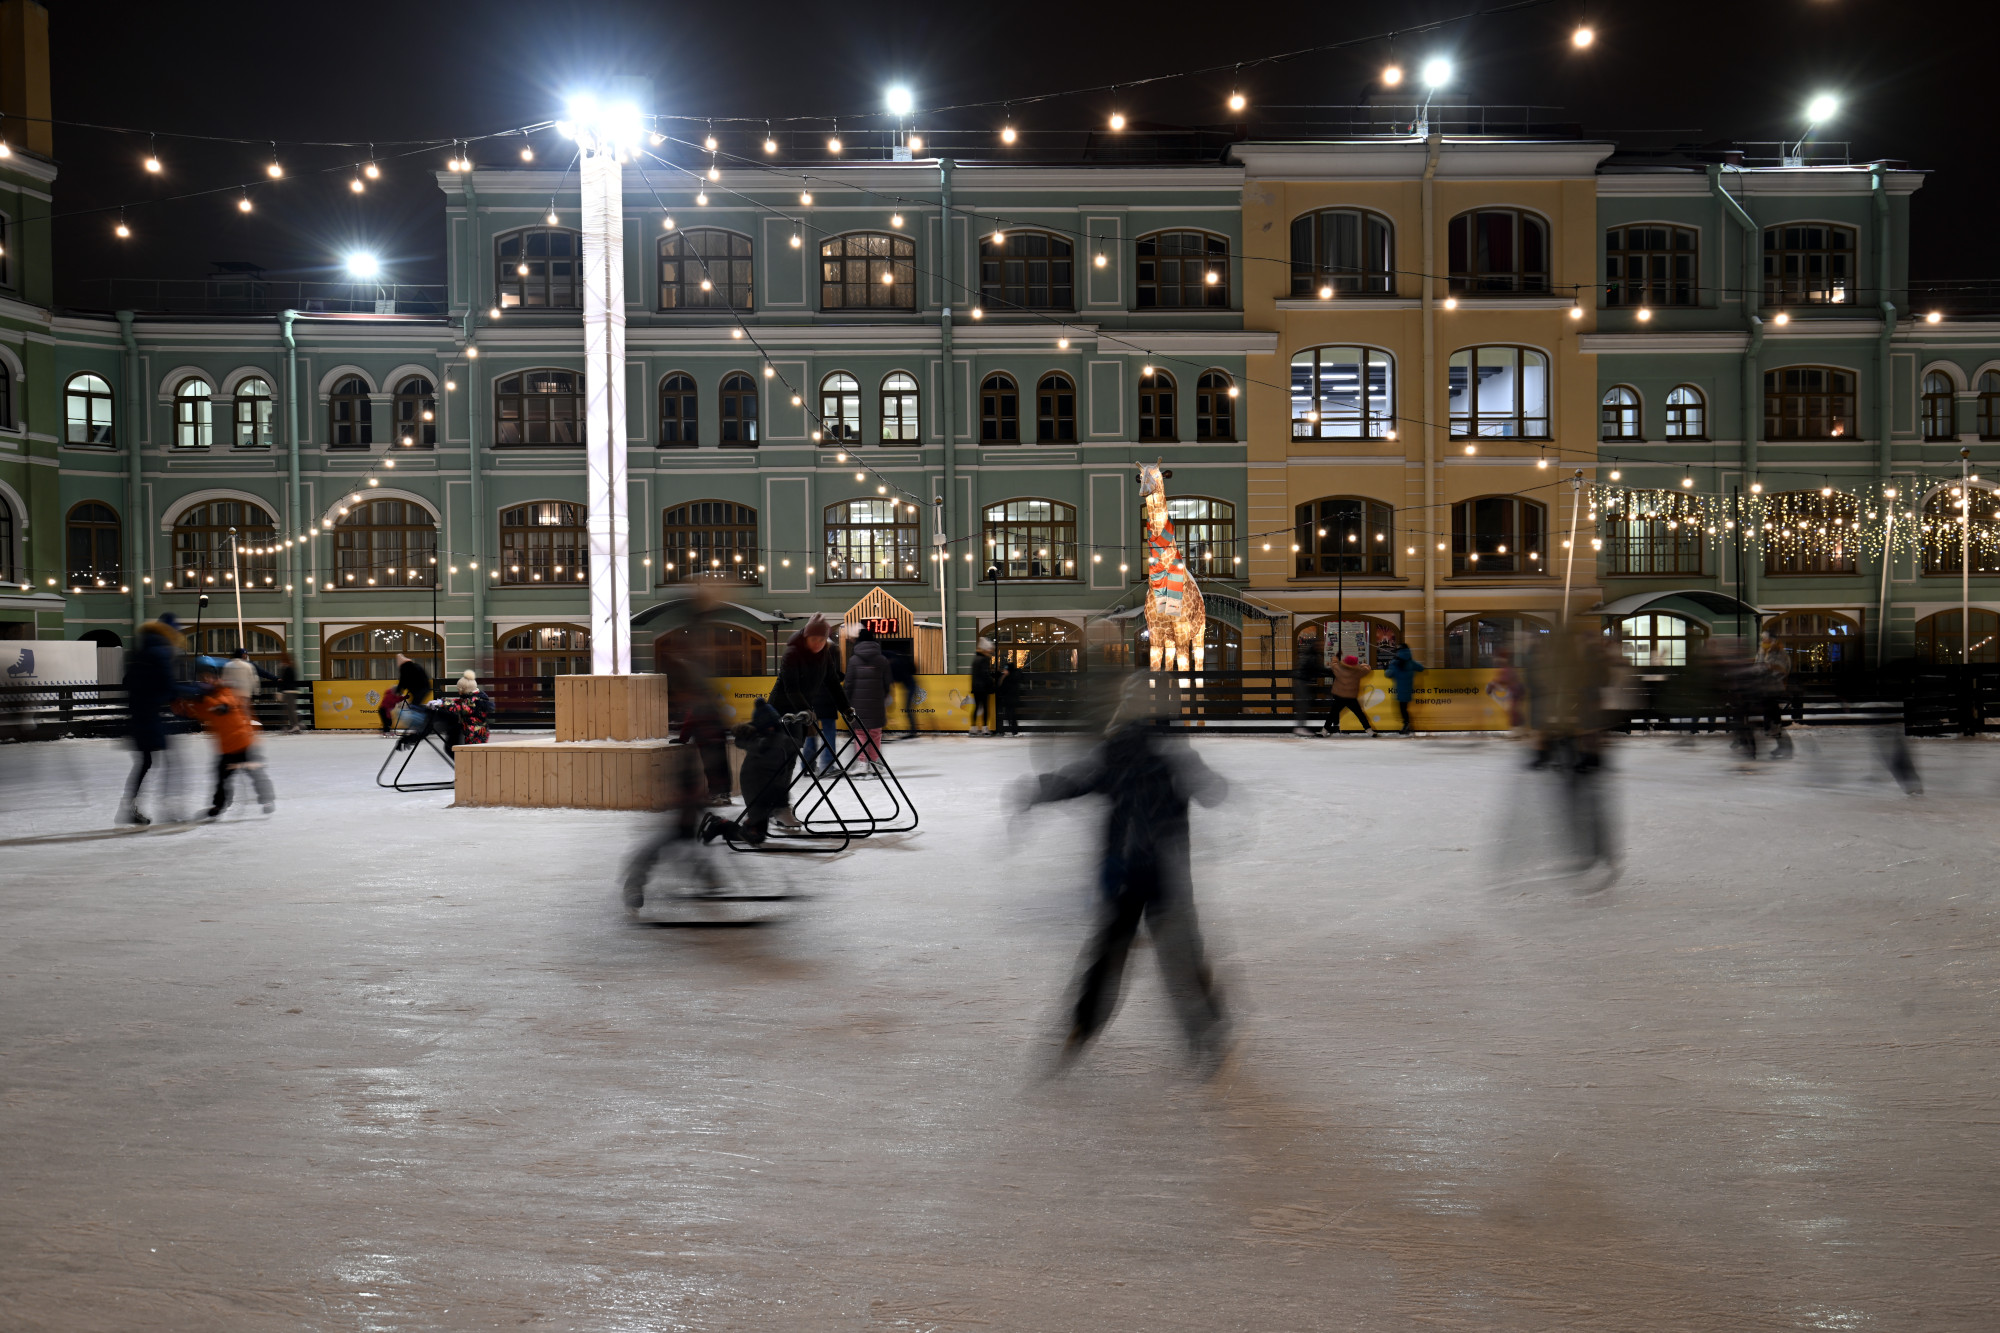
{"points": [[1403, 159]]}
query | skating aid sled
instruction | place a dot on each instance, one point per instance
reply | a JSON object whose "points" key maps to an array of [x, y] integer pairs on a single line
{"points": [[830, 808]]}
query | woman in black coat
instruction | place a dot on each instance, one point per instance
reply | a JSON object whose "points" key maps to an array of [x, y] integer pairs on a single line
{"points": [[150, 688], [809, 679]]}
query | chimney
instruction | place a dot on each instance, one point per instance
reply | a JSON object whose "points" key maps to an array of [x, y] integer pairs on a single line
{"points": [[24, 76]]}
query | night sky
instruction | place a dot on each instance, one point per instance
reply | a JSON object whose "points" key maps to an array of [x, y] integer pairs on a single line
{"points": [[1696, 72]]}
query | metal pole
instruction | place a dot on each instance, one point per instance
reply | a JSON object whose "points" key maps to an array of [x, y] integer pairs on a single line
{"points": [[941, 557], [1736, 512], [136, 541], [294, 555], [947, 409], [1965, 556], [1569, 568], [1888, 556], [236, 577]]}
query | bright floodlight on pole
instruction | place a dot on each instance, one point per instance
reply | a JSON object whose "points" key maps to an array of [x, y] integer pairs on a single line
{"points": [[361, 264], [1821, 109], [609, 128], [899, 101], [1437, 73]]}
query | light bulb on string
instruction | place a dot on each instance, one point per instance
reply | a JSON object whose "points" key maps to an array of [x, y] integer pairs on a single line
{"points": [[355, 185], [1007, 134], [701, 199], [1237, 101], [1117, 120], [916, 143], [243, 204], [527, 155], [714, 172], [805, 198], [797, 240], [274, 170], [667, 222], [121, 230], [554, 218], [1582, 37], [833, 144], [770, 144], [895, 219], [1392, 75], [152, 156], [371, 171], [709, 142], [1100, 259]]}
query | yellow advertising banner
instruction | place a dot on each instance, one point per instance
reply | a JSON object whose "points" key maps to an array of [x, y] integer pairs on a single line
{"points": [[1459, 699], [941, 703], [348, 705]]}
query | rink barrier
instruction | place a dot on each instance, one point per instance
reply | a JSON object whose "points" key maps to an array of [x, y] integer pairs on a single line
{"points": [[80, 712]]}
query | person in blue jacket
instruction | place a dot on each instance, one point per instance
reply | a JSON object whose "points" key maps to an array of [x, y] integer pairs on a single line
{"points": [[1402, 672]]}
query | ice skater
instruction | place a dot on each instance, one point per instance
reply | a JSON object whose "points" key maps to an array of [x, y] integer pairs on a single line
{"points": [[226, 718], [1402, 672], [870, 679], [768, 742], [150, 689], [809, 678], [1308, 669], [1347, 677], [1148, 780]]}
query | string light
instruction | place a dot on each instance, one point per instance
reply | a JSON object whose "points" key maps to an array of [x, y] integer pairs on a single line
{"points": [[121, 230], [1933, 317], [527, 155], [770, 144], [805, 198], [1451, 303], [274, 171], [243, 204], [1237, 101], [152, 155], [895, 219], [667, 222], [371, 171], [1781, 318], [709, 143], [356, 185], [1007, 134], [554, 219], [1582, 37], [1645, 313], [1392, 75], [1117, 120]]}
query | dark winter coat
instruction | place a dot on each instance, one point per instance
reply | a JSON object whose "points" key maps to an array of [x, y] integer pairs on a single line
{"points": [[902, 668], [1402, 671], [1009, 687], [414, 682], [808, 682], [766, 777], [868, 680], [983, 675], [1308, 663], [150, 687], [1149, 779]]}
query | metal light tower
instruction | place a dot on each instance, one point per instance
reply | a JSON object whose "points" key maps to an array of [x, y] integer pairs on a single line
{"points": [[607, 135]]}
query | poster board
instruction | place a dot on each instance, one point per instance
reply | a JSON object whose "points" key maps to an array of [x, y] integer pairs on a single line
{"points": [[49, 662], [1448, 699], [348, 705]]}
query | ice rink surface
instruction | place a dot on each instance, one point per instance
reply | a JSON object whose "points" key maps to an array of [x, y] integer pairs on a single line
{"points": [[375, 1063]]}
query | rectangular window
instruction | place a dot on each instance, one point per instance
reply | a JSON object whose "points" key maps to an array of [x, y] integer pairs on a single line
{"points": [[1650, 266]]}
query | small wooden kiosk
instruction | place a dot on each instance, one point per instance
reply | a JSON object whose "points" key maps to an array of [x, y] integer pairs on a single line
{"points": [[896, 626], [608, 751]]}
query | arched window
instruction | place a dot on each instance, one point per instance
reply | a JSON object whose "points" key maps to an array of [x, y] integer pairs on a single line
{"points": [[1941, 637], [1651, 265], [871, 541], [1651, 532], [1620, 417], [1030, 539], [1687, 413], [544, 542], [416, 413], [680, 417], [1492, 640], [840, 408], [868, 270], [385, 543], [1656, 639], [704, 268], [543, 650], [1037, 645], [194, 420], [368, 652], [1027, 270], [1205, 530], [202, 546], [539, 268], [1808, 403], [1358, 636], [723, 650], [709, 539], [1498, 393], [1940, 407], [266, 647], [1496, 250], [96, 545], [999, 411], [1805, 532], [1347, 250], [1215, 408], [87, 404], [739, 409], [1343, 393], [1183, 270], [1989, 405], [1945, 538], [902, 422], [1055, 409], [8, 573], [1809, 263], [1822, 643], [350, 415], [254, 429], [1221, 648], [539, 407], [1345, 534], [1498, 534], [1158, 422]]}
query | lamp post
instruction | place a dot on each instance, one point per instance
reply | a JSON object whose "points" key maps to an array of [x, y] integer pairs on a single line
{"points": [[236, 577], [1965, 556]]}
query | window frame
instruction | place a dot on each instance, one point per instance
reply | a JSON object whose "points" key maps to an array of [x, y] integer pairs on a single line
{"points": [[738, 388], [1317, 423], [565, 555], [240, 400], [1463, 279], [1657, 288], [904, 534], [900, 262], [1692, 636], [206, 540], [107, 429], [1652, 534], [1360, 279], [1467, 630], [406, 413], [1938, 533], [1932, 399], [358, 566], [1042, 646], [507, 275], [1477, 420], [1988, 417], [1523, 560], [1050, 424], [1677, 413], [908, 415], [575, 655], [1047, 541], [1835, 424], [1781, 289], [194, 413], [996, 294], [840, 407], [94, 529], [351, 394], [999, 409], [1930, 631], [1207, 542], [1814, 648], [1215, 402], [8, 572], [1372, 558], [680, 428], [1814, 507], [575, 397], [1214, 295], [722, 529], [1629, 411], [1159, 402], [428, 646], [688, 294]]}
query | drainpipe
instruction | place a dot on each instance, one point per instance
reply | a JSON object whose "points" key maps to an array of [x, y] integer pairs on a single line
{"points": [[135, 527], [292, 496], [474, 395], [1752, 389], [947, 385], [1878, 184], [1429, 399]]}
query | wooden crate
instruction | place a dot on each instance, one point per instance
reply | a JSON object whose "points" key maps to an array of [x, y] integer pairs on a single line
{"points": [[611, 708], [584, 775]]}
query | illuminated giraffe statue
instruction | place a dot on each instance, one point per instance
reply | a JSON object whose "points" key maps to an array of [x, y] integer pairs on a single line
{"points": [[1176, 620]]}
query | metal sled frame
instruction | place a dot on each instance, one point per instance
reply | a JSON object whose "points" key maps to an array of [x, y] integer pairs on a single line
{"points": [[429, 738], [816, 810]]}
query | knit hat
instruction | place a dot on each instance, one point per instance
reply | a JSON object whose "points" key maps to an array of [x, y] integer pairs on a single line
{"points": [[468, 683], [170, 620], [1351, 660]]}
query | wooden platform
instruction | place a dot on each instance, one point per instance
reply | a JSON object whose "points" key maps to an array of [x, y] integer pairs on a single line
{"points": [[545, 771], [611, 708]]}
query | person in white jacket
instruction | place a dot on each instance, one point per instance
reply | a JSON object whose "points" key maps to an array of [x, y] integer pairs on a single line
{"points": [[240, 674]]}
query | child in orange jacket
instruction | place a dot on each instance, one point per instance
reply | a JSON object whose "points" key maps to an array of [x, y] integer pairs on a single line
{"points": [[226, 717]]}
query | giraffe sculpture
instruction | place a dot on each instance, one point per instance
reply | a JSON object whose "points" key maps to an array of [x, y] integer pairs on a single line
{"points": [[1176, 619]]}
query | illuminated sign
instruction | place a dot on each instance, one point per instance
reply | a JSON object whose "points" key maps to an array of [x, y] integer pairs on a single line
{"points": [[880, 624]]}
